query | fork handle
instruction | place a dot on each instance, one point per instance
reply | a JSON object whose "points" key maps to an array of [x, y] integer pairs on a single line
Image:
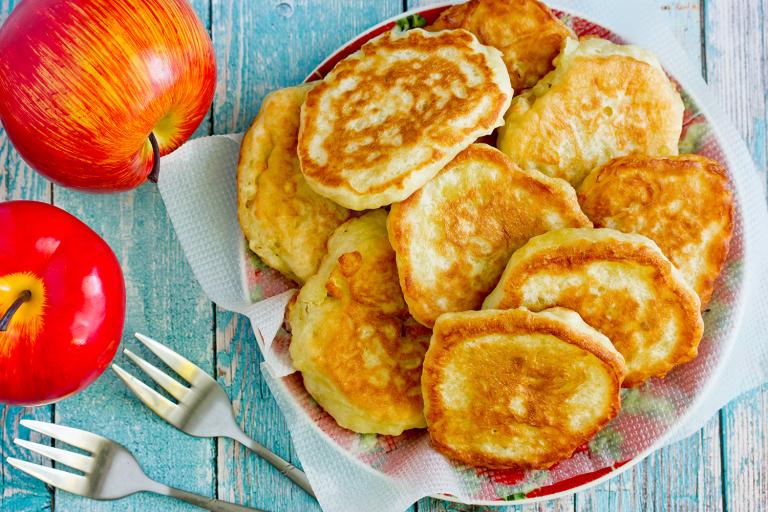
{"points": [[296, 475], [203, 501]]}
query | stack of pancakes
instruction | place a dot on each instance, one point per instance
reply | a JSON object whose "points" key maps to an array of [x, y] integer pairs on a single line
{"points": [[499, 297]]}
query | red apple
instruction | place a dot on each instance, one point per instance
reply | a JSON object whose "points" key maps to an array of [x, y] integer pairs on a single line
{"points": [[62, 304], [85, 82]]}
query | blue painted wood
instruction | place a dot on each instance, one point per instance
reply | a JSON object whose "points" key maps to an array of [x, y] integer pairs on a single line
{"points": [[737, 70], [164, 301], [244, 477], [18, 492], [262, 45]]}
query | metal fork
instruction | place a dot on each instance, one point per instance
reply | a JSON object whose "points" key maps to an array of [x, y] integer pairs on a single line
{"points": [[110, 471], [203, 408]]}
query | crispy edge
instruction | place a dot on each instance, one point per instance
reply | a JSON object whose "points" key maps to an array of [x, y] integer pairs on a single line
{"points": [[661, 164], [529, 101], [645, 253], [243, 214], [505, 322], [337, 188], [460, 16], [400, 232]]}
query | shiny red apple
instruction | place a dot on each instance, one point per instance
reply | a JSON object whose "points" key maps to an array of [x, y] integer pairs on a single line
{"points": [[85, 83], [62, 304]]}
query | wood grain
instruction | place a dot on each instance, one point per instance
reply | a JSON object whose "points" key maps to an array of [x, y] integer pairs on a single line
{"points": [[262, 45], [737, 70], [17, 490], [163, 299], [244, 477]]}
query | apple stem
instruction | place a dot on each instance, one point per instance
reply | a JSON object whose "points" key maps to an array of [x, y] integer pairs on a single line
{"points": [[155, 173], [21, 299]]}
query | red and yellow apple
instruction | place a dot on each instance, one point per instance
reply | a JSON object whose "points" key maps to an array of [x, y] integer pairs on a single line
{"points": [[83, 84], [62, 304]]}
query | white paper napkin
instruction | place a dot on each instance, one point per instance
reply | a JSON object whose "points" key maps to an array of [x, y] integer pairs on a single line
{"points": [[198, 186]]}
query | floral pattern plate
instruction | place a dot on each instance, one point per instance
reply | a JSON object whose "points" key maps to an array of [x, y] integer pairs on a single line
{"points": [[649, 413]]}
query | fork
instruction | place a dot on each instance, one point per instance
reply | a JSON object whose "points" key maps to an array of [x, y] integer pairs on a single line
{"points": [[203, 408], [110, 471]]}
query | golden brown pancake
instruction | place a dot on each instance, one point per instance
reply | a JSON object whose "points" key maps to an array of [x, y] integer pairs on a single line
{"points": [[683, 203], [454, 236], [286, 223], [387, 118], [353, 341], [602, 101], [527, 33], [516, 389], [621, 284]]}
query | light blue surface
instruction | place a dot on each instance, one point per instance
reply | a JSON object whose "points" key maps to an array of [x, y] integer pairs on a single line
{"points": [[262, 45]]}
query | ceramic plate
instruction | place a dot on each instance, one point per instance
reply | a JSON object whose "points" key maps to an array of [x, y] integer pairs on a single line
{"points": [[649, 413]]}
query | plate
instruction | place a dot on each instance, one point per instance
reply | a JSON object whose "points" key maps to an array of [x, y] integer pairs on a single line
{"points": [[649, 413]]}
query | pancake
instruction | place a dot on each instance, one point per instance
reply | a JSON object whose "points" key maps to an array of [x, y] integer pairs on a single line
{"points": [[286, 223], [602, 101], [353, 341], [526, 32], [387, 118], [621, 284], [454, 236], [684, 204], [516, 389]]}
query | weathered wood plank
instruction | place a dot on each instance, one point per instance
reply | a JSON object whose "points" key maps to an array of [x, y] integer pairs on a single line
{"points": [[432, 505], [244, 477], [260, 46], [737, 69], [164, 301], [745, 437], [203, 10], [17, 490]]}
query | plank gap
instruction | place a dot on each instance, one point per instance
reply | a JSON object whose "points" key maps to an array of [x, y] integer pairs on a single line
{"points": [[703, 28], [724, 469], [214, 369], [52, 441]]}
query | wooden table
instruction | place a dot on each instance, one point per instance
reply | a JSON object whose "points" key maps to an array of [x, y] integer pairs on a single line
{"points": [[265, 44]]}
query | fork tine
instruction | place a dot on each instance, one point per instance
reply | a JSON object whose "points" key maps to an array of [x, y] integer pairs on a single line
{"points": [[179, 364], [63, 480], [72, 436], [151, 398], [71, 459], [169, 384]]}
